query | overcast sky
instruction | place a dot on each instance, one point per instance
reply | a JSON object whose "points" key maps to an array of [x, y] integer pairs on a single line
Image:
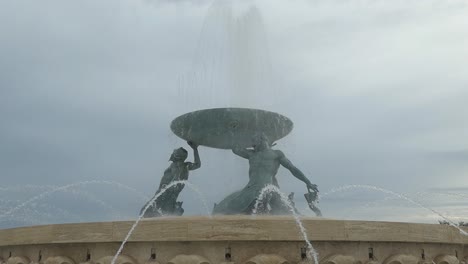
{"points": [[377, 91]]}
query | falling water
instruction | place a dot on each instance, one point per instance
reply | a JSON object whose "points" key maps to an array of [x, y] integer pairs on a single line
{"points": [[462, 195], [232, 64], [64, 188], [98, 201], [80, 193], [156, 196], [368, 205], [273, 189], [27, 187], [36, 213], [201, 196], [395, 194]]}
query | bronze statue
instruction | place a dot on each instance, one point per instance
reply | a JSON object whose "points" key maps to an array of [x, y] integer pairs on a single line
{"points": [[264, 164], [166, 203], [249, 133]]}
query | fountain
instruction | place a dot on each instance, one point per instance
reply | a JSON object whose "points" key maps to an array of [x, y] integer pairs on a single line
{"points": [[264, 229], [258, 224]]}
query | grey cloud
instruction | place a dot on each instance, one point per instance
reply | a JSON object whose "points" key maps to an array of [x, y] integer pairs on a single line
{"points": [[454, 155], [88, 90]]}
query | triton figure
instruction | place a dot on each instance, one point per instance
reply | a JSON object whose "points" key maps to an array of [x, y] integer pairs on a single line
{"points": [[166, 203], [264, 164]]}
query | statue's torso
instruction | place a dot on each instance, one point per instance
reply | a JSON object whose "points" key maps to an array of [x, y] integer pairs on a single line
{"points": [[180, 171], [167, 201], [263, 167], [175, 172]]}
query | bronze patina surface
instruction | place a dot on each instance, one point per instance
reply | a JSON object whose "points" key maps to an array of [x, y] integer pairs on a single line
{"points": [[228, 128]]}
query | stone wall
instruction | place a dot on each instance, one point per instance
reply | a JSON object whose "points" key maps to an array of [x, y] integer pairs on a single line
{"points": [[234, 240]]}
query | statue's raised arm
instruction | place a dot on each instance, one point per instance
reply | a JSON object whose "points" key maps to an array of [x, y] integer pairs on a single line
{"points": [[172, 184], [197, 162]]}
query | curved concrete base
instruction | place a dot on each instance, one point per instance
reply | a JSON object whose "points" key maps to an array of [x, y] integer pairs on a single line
{"points": [[234, 239]]}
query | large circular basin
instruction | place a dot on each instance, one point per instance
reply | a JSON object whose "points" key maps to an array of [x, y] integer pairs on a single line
{"points": [[227, 128]]}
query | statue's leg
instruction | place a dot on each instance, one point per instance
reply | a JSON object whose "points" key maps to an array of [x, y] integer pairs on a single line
{"points": [[278, 206], [150, 212], [251, 208], [179, 210], [235, 203], [316, 211], [168, 202]]}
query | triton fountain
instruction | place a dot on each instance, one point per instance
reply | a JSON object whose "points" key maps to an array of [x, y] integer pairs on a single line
{"points": [[257, 225]]}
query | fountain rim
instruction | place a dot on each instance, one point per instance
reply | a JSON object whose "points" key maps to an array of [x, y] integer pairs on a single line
{"points": [[232, 228]]}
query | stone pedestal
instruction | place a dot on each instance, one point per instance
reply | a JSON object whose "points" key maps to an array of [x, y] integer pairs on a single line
{"points": [[234, 240]]}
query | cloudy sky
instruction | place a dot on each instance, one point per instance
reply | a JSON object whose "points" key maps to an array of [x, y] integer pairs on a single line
{"points": [[377, 90]]}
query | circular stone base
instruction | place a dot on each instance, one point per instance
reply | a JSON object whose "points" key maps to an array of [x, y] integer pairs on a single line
{"points": [[237, 239]]}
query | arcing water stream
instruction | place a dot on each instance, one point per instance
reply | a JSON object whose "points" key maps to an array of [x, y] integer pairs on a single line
{"points": [[273, 189], [395, 194], [148, 205], [64, 188]]}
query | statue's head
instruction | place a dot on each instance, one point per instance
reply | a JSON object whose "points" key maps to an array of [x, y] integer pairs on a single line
{"points": [[261, 142], [179, 154]]}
